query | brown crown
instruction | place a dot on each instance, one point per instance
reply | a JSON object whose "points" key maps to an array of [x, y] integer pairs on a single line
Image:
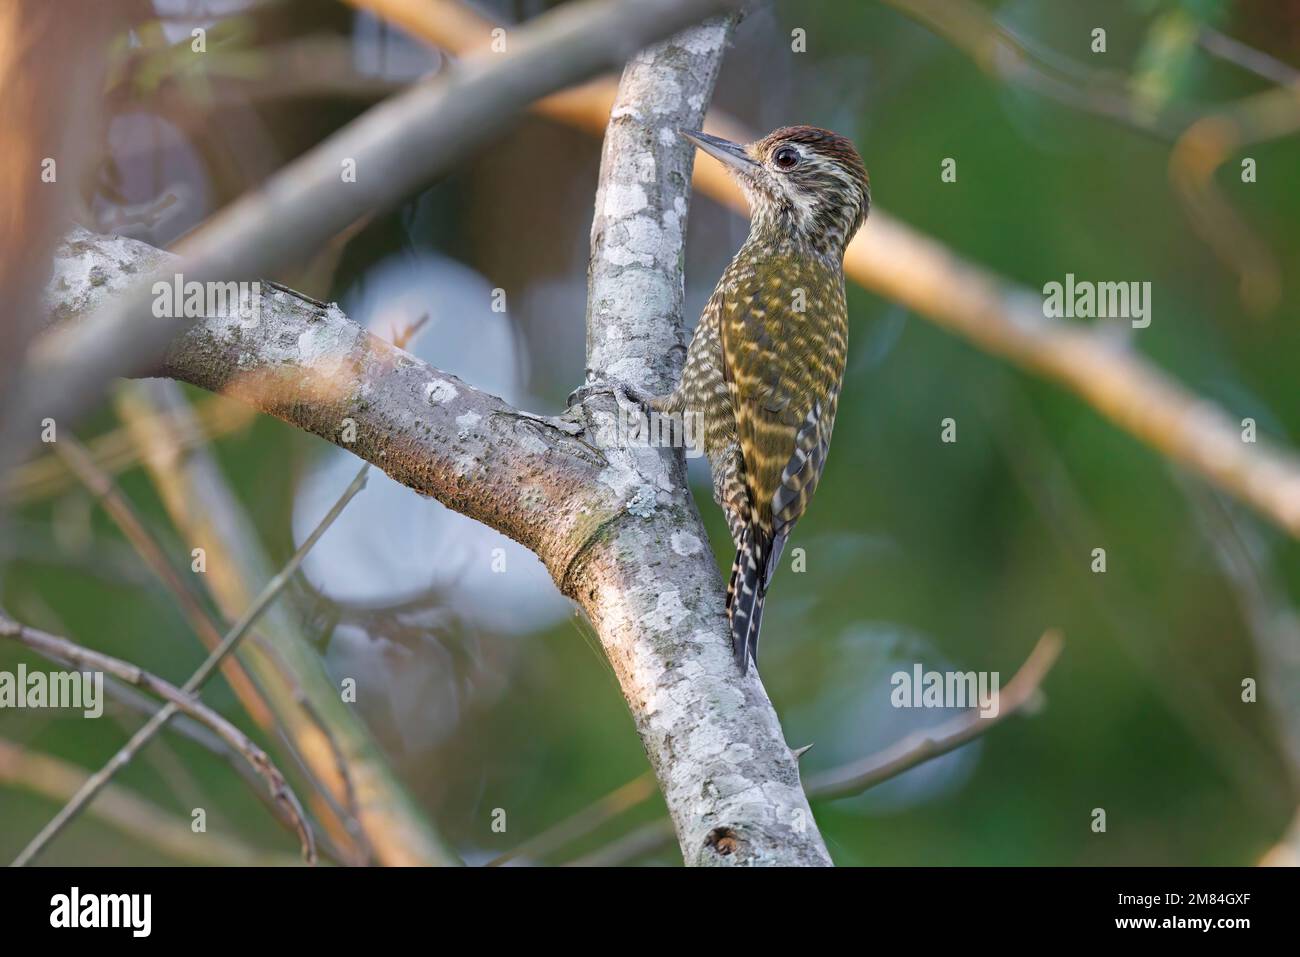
{"points": [[827, 143]]}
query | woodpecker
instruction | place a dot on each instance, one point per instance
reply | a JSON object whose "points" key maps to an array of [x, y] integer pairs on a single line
{"points": [[764, 369]]}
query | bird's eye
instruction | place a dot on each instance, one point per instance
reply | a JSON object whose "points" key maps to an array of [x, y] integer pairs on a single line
{"points": [[787, 157]]}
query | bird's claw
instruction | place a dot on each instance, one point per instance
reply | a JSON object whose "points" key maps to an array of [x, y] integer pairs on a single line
{"points": [[624, 393]]}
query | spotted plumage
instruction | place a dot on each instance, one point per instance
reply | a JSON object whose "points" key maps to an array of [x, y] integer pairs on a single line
{"points": [[766, 364]]}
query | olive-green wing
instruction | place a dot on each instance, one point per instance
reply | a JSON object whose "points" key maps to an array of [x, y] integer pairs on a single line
{"points": [[784, 370]]}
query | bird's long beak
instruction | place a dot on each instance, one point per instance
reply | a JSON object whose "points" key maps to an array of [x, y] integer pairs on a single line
{"points": [[724, 151]]}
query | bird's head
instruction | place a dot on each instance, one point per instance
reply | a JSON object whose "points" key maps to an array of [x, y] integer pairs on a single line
{"points": [[803, 184]]}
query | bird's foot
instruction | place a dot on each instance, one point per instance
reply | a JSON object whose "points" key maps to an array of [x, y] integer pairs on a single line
{"points": [[625, 394]]}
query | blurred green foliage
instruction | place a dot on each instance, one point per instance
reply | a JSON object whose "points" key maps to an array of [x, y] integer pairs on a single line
{"points": [[977, 547]]}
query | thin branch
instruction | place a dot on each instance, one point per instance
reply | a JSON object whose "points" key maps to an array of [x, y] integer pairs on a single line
{"points": [[178, 700], [1247, 57], [76, 457], [196, 681], [140, 703], [142, 821], [854, 778], [629, 795], [998, 51], [393, 149], [325, 731], [1181, 683], [931, 743], [1248, 569], [1195, 159], [1000, 317], [46, 476], [649, 838]]}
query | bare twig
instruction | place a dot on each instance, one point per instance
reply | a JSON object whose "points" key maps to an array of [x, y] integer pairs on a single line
{"points": [[1181, 684], [925, 745], [1270, 618], [851, 779], [1248, 58], [647, 839], [971, 28], [178, 700], [1199, 153], [196, 681], [326, 732], [140, 820], [876, 769], [134, 700], [629, 795], [113, 452], [101, 486], [998, 316], [394, 148]]}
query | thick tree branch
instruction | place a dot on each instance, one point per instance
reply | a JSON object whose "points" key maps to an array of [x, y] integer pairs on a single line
{"points": [[649, 583], [843, 781], [603, 518], [313, 367], [393, 149]]}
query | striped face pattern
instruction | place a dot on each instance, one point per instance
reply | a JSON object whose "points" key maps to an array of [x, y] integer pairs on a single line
{"points": [[808, 185], [766, 364]]}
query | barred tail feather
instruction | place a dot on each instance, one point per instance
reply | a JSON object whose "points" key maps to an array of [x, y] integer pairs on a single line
{"points": [[745, 595]]}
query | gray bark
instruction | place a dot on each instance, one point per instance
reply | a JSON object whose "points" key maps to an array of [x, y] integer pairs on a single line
{"points": [[650, 582], [615, 525]]}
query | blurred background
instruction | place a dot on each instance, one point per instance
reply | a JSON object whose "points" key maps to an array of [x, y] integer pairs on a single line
{"points": [[487, 693]]}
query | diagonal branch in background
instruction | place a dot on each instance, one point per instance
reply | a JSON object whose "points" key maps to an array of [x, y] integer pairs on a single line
{"points": [[79, 461], [1009, 58], [394, 148], [209, 666], [596, 516], [1020, 694], [998, 316], [843, 781], [129, 699], [142, 821], [1197, 157], [178, 700], [362, 804], [46, 476]]}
